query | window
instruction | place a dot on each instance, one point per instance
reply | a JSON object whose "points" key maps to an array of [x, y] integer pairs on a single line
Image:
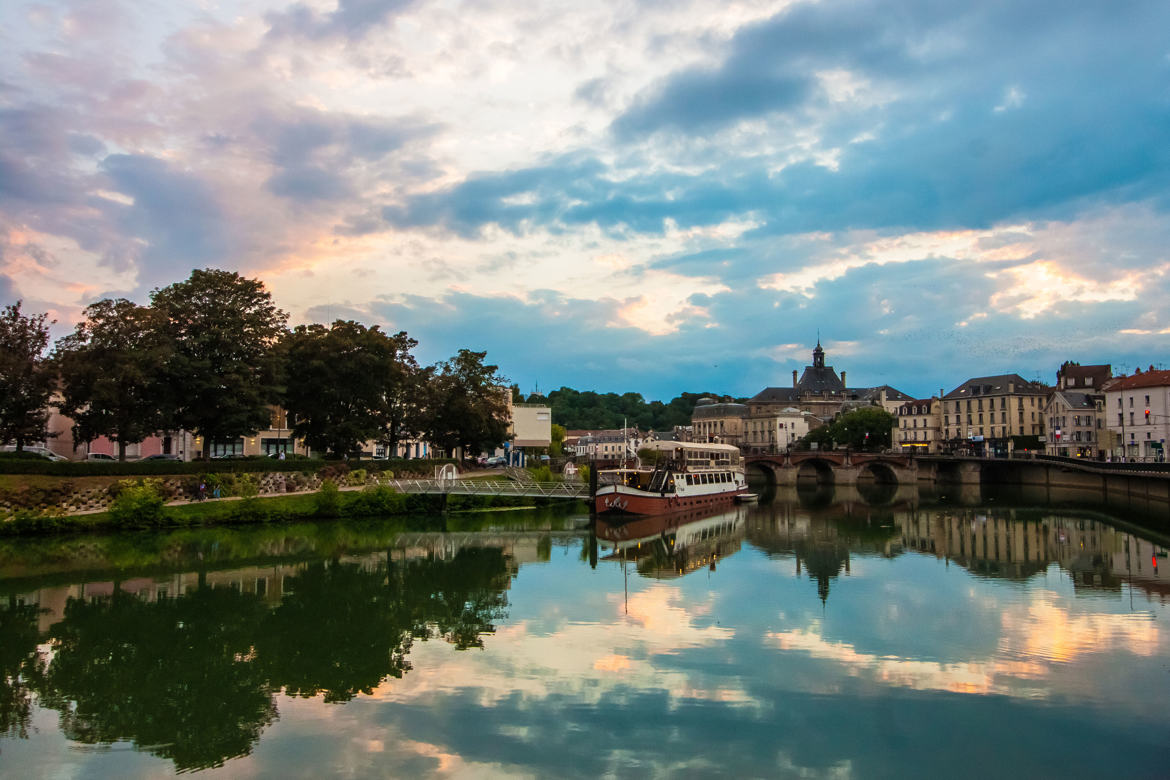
{"points": [[227, 449]]}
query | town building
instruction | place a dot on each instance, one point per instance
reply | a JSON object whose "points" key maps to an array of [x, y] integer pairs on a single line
{"points": [[774, 431], [719, 422], [994, 415], [1074, 412], [820, 393], [918, 427], [1137, 411], [609, 447]]}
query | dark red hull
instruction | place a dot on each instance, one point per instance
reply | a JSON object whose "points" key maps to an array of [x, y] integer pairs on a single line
{"points": [[630, 502]]}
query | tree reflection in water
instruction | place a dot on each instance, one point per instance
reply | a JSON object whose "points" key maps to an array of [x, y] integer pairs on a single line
{"points": [[193, 678], [21, 667]]}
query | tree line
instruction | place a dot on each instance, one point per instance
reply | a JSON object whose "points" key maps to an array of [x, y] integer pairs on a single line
{"points": [[212, 355]]}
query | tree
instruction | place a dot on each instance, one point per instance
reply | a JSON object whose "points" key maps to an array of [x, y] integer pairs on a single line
{"points": [[404, 388], [466, 405], [867, 428], [26, 376], [224, 372], [819, 436], [556, 446], [336, 387], [112, 373]]}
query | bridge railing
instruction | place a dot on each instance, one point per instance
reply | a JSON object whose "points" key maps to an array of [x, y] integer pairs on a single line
{"points": [[486, 487]]}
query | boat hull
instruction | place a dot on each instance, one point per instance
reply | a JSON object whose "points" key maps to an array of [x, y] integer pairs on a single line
{"points": [[619, 499]]}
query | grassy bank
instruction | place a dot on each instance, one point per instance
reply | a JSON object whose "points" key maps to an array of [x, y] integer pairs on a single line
{"points": [[141, 507]]}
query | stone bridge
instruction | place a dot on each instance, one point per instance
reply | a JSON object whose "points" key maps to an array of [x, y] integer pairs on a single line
{"points": [[845, 467]]}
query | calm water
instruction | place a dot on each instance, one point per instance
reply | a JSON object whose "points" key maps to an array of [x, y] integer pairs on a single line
{"points": [[814, 636]]}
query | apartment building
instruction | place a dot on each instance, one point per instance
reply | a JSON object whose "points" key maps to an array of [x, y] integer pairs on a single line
{"points": [[918, 427], [994, 415], [1137, 411]]}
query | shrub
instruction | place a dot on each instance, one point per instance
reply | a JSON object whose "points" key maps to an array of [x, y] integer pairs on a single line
{"points": [[356, 478], [138, 505], [541, 473], [583, 474], [379, 500], [327, 500]]}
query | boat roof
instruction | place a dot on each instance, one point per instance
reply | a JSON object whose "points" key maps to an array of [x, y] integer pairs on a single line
{"points": [[690, 445]]}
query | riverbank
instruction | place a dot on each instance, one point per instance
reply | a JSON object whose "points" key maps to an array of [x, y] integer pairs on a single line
{"points": [[138, 508]]}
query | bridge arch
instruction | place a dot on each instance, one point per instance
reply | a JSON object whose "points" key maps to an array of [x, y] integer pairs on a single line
{"points": [[877, 471], [815, 469]]}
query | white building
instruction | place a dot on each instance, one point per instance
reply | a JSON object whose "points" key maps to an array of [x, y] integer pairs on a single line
{"points": [[1137, 411]]}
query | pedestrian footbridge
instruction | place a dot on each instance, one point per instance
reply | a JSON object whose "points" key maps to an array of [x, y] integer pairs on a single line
{"points": [[489, 487]]}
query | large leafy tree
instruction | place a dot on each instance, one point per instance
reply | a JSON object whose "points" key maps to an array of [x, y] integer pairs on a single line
{"points": [[112, 371], [26, 376], [224, 371], [867, 428], [337, 384], [404, 388], [466, 405]]}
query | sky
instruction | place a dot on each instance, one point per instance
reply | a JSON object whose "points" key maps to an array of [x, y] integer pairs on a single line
{"points": [[617, 196]]}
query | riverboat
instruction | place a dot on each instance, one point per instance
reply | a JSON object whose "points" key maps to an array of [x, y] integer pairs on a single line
{"points": [[684, 476]]}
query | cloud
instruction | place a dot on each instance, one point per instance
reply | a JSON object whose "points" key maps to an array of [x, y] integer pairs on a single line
{"points": [[352, 19]]}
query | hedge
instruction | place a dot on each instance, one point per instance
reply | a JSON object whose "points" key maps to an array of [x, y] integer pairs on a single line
{"points": [[161, 468]]}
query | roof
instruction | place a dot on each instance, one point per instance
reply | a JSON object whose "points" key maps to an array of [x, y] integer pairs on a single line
{"points": [[996, 385], [1141, 379], [910, 403], [774, 395], [719, 410], [1074, 375], [688, 445], [1075, 399], [873, 393], [820, 379]]}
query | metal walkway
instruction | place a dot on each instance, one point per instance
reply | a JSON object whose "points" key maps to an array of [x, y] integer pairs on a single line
{"points": [[489, 487]]}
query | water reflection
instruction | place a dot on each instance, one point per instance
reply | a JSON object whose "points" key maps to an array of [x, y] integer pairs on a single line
{"points": [[490, 645]]}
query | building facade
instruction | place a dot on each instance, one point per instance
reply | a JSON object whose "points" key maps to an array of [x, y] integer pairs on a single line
{"points": [[1137, 411], [719, 422], [918, 427], [994, 415]]}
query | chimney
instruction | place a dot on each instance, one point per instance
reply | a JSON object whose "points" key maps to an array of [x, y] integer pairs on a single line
{"points": [[941, 393], [843, 380], [794, 377]]}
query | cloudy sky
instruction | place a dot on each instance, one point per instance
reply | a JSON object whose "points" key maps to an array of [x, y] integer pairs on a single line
{"points": [[617, 196]]}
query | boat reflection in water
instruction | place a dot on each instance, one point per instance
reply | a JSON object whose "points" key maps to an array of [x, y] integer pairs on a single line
{"points": [[667, 546]]}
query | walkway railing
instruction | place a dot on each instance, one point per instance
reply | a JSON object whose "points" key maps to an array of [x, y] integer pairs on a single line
{"points": [[488, 487]]}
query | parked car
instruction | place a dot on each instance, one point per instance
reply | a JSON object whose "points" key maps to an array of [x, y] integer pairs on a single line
{"points": [[43, 452], [162, 457], [99, 456], [495, 462]]}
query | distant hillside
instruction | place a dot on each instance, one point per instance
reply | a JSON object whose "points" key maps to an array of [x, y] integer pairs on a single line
{"points": [[592, 411]]}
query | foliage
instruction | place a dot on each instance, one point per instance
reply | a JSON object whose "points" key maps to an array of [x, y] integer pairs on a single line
{"points": [[357, 477], [21, 666], [138, 505], [819, 436], [466, 407], [583, 473], [375, 501], [26, 377], [541, 473], [649, 456], [335, 388], [556, 447], [867, 428], [112, 373], [588, 410], [224, 371], [404, 387], [328, 500]]}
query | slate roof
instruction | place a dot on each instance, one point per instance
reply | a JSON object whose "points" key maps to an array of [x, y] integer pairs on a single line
{"points": [[873, 393], [1078, 400], [820, 380], [719, 410], [776, 395], [993, 385]]}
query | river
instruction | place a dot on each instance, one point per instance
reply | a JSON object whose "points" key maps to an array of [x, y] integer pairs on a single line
{"points": [[817, 635]]}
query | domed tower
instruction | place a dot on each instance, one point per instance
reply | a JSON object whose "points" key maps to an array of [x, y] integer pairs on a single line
{"points": [[819, 356]]}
